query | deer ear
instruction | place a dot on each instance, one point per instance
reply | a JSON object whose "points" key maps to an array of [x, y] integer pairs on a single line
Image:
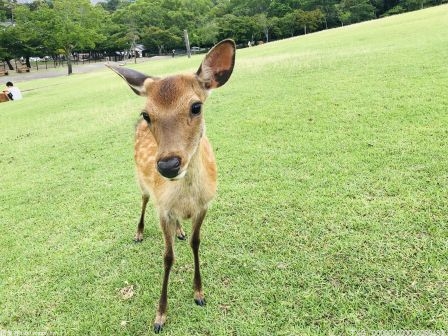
{"points": [[136, 80], [217, 65]]}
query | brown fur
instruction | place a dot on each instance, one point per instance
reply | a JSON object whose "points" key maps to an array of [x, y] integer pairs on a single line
{"points": [[175, 132], [3, 97]]}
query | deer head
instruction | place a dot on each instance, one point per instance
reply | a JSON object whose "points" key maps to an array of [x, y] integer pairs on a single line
{"points": [[173, 109]]}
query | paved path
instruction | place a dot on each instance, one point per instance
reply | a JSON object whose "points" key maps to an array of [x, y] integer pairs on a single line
{"points": [[62, 71]]}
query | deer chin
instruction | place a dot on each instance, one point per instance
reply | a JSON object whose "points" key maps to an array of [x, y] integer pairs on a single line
{"points": [[179, 176]]}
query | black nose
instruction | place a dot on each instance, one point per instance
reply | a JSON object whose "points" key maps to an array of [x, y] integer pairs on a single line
{"points": [[169, 167]]}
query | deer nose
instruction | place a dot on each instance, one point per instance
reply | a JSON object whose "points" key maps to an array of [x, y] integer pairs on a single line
{"points": [[169, 167]]}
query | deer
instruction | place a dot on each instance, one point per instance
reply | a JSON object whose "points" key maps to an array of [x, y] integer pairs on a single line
{"points": [[174, 159]]}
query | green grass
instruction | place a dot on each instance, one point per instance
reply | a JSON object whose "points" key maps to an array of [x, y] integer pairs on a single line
{"points": [[331, 214]]}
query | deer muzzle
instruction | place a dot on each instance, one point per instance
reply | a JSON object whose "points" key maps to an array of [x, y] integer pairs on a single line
{"points": [[169, 167]]}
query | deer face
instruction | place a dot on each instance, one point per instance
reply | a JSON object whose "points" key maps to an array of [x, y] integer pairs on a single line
{"points": [[173, 107], [174, 116]]}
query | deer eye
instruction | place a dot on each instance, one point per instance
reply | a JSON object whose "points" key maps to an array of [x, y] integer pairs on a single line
{"points": [[196, 109], [145, 116]]}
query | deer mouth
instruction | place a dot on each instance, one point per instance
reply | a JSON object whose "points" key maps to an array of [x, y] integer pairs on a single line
{"points": [[180, 176]]}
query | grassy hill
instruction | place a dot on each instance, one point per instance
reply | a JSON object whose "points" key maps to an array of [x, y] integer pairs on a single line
{"points": [[331, 216]]}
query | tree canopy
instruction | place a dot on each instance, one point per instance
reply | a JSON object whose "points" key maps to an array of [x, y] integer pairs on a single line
{"points": [[65, 27]]}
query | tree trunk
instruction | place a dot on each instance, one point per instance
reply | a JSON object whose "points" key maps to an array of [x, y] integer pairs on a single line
{"points": [[8, 61], [69, 62], [27, 62]]}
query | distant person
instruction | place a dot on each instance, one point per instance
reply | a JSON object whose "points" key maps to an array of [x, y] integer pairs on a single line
{"points": [[12, 92]]}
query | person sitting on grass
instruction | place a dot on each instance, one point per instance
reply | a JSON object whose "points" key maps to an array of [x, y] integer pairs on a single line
{"points": [[12, 92]]}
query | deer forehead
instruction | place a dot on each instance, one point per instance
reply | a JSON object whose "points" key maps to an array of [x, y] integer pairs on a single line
{"points": [[177, 92]]}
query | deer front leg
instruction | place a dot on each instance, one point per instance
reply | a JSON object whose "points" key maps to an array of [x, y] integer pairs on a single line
{"points": [[168, 228], [141, 224], [195, 242]]}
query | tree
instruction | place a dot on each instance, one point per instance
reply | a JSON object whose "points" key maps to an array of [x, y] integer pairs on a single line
{"points": [[160, 39], [239, 28], [69, 26], [249, 7], [411, 5], [300, 21], [274, 28], [352, 11], [288, 24], [262, 24], [19, 37], [27, 40], [113, 5], [343, 14], [313, 20], [207, 34], [393, 11], [278, 8], [7, 10], [327, 7], [6, 40]]}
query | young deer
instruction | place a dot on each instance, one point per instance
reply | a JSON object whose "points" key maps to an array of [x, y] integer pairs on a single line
{"points": [[175, 162]]}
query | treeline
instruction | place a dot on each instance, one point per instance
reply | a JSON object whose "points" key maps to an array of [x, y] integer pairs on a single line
{"points": [[55, 27]]}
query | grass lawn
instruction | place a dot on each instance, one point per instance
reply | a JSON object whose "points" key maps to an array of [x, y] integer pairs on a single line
{"points": [[331, 215]]}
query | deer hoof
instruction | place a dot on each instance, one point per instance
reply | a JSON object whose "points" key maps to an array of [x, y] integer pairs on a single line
{"points": [[158, 327], [159, 322], [180, 233], [200, 302], [138, 238], [182, 236]]}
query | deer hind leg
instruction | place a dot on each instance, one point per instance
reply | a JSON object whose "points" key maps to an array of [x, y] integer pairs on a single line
{"points": [[168, 228], [180, 233], [195, 242], [141, 224]]}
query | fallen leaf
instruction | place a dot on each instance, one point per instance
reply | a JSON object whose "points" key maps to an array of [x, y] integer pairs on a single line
{"points": [[127, 292]]}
